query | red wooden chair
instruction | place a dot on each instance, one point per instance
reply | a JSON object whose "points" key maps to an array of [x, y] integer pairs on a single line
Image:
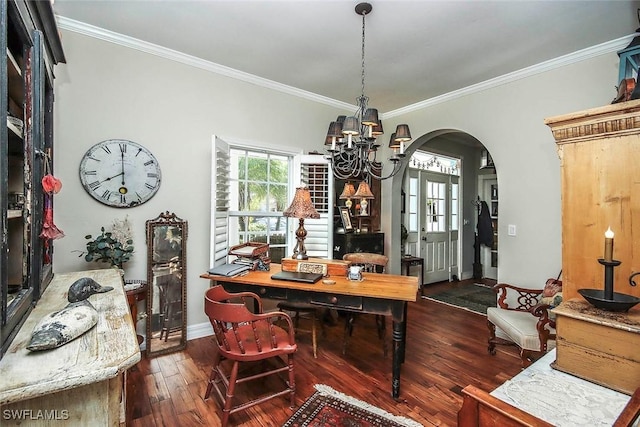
{"points": [[243, 336]]}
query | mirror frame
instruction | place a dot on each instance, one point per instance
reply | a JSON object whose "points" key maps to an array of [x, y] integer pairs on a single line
{"points": [[165, 219]]}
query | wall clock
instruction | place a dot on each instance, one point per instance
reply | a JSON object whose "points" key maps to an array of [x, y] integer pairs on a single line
{"points": [[120, 173]]}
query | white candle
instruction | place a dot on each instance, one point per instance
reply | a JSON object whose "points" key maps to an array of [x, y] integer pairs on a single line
{"points": [[608, 245]]}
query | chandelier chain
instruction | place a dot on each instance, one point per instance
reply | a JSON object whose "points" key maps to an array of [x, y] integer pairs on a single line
{"points": [[363, 37], [352, 147]]}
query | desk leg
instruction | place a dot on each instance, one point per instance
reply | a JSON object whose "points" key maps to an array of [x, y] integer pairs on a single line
{"points": [[404, 332], [398, 356]]}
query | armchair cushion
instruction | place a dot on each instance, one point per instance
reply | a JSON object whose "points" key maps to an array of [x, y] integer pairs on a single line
{"points": [[516, 326]]}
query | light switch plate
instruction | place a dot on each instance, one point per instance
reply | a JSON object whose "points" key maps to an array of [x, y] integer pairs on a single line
{"points": [[511, 230]]}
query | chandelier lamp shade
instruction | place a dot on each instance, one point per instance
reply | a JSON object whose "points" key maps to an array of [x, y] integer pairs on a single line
{"points": [[301, 207], [351, 141]]}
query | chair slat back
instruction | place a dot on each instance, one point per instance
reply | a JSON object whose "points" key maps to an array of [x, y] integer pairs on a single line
{"points": [[373, 263], [234, 326], [515, 298]]}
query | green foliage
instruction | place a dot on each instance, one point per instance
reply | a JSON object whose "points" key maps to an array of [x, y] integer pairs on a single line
{"points": [[105, 248]]}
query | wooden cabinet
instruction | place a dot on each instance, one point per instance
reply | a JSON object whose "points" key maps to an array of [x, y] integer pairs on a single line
{"points": [[82, 382], [599, 153], [30, 46]]}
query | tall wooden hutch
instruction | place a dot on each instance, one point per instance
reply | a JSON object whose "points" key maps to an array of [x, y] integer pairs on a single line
{"points": [[31, 47], [599, 153]]}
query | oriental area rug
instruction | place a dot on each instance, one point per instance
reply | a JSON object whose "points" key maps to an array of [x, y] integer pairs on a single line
{"points": [[330, 408], [472, 297]]}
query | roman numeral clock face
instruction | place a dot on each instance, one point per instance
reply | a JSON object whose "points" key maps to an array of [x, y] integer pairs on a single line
{"points": [[120, 173]]}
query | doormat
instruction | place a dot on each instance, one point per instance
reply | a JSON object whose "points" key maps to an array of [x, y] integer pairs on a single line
{"points": [[329, 408], [472, 297]]}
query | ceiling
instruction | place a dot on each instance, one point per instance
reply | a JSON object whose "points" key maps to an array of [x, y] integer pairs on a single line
{"points": [[415, 50]]}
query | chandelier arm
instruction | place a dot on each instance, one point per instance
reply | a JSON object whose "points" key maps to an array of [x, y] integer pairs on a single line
{"points": [[396, 169]]}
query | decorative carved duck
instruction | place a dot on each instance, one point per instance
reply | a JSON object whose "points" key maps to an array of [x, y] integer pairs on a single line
{"points": [[61, 327]]}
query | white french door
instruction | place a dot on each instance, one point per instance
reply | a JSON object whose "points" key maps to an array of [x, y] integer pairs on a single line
{"points": [[439, 207]]}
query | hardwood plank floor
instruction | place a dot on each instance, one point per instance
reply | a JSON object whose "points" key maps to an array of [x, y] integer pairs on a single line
{"points": [[446, 351]]}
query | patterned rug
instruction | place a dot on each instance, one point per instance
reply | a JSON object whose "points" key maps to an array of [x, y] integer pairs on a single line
{"points": [[330, 408], [473, 297]]}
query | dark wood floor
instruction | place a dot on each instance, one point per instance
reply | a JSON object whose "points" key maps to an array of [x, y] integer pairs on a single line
{"points": [[446, 350]]}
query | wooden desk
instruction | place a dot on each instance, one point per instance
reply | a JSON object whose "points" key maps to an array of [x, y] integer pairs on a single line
{"points": [[383, 294], [82, 382]]}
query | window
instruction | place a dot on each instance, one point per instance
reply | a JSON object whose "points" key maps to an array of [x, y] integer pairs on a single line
{"points": [[432, 162], [258, 194], [454, 206], [251, 187]]}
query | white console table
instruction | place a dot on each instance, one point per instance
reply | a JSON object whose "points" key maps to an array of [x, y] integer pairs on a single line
{"points": [[82, 382], [559, 398]]}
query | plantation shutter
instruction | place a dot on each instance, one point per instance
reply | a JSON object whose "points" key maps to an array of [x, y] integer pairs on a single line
{"points": [[316, 174], [220, 169]]}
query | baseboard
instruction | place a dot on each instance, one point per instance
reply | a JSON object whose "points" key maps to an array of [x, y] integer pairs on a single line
{"points": [[199, 331], [466, 275]]}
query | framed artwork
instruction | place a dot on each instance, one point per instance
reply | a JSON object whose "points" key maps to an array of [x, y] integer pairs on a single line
{"points": [[346, 219]]}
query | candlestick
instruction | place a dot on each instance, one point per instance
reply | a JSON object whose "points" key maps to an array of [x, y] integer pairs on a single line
{"points": [[608, 245]]}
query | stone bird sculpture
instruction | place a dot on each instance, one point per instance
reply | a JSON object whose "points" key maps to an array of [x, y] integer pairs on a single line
{"points": [[61, 327]]}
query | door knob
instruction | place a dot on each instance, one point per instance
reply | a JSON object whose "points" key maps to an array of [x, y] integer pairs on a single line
{"points": [[424, 238]]}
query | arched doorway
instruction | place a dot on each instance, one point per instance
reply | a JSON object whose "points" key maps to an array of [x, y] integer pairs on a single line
{"points": [[458, 259]]}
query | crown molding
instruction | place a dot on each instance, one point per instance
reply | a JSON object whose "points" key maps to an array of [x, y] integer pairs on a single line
{"points": [[68, 24], [132, 43], [571, 58]]}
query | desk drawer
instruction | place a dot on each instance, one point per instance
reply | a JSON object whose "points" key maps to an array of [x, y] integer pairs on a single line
{"points": [[337, 301], [261, 291]]}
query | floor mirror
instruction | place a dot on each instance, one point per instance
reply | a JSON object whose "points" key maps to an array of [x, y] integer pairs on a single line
{"points": [[167, 279]]}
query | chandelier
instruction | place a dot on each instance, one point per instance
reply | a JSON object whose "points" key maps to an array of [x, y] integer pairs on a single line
{"points": [[352, 141]]}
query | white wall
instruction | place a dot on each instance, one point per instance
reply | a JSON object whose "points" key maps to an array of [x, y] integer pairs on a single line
{"points": [[108, 91], [509, 121]]}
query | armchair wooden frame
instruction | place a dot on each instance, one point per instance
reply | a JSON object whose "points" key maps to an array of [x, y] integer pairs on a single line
{"points": [[520, 317], [243, 336]]}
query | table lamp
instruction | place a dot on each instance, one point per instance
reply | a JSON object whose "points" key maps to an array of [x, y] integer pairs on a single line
{"points": [[301, 207], [347, 193], [363, 193]]}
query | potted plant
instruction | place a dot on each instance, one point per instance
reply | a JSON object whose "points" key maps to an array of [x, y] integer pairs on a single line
{"points": [[114, 247]]}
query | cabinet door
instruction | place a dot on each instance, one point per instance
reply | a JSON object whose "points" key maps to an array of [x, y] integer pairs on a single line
{"points": [[26, 144]]}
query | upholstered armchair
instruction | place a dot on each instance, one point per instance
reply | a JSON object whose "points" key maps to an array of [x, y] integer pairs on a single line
{"points": [[522, 318]]}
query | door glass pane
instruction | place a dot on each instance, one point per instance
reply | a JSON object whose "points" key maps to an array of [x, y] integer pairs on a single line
{"points": [[454, 207], [435, 205], [413, 205]]}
